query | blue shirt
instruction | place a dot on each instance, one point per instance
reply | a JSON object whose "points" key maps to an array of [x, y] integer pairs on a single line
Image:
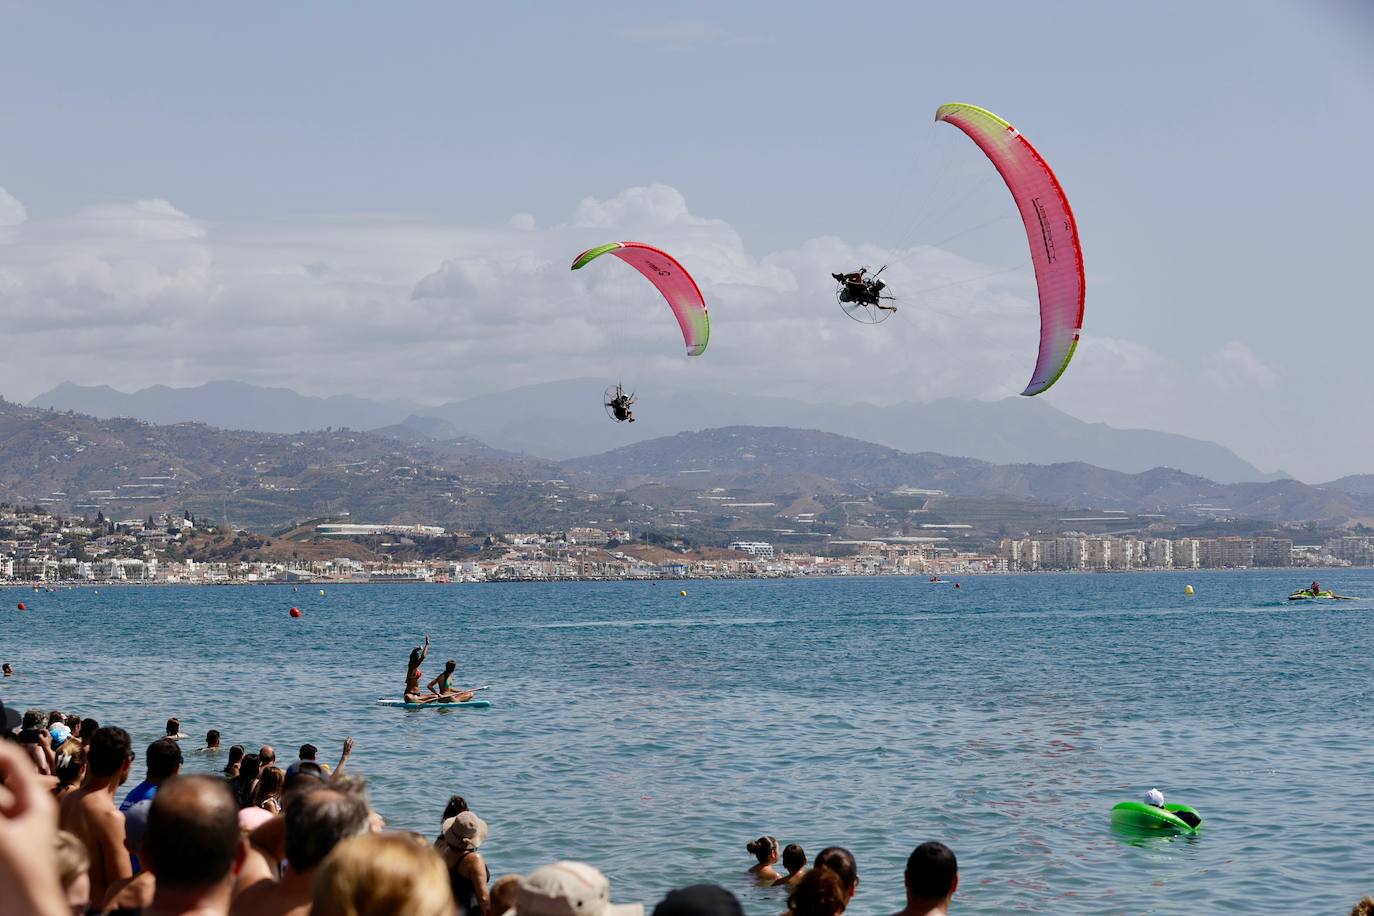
{"points": [[139, 792]]}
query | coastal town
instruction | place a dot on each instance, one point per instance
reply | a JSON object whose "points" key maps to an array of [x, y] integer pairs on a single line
{"points": [[40, 548]]}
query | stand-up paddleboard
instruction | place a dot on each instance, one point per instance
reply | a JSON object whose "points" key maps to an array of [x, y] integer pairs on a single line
{"points": [[466, 704], [440, 704]]}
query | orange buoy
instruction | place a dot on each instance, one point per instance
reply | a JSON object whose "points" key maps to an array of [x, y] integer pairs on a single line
{"points": [[295, 612], [21, 606]]}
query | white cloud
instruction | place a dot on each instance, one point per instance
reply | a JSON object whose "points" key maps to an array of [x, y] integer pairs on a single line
{"points": [[12, 212], [1237, 366], [141, 293], [135, 294]]}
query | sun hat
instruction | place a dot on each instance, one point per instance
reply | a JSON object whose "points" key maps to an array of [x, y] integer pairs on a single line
{"points": [[1154, 797], [465, 831], [699, 900], [569, 889]]}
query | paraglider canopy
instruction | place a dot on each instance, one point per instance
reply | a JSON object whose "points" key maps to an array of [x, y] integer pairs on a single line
{"points": [[1050, 229], [671, 279]]}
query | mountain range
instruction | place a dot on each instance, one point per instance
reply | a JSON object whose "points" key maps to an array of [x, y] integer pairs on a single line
{"points": [[561, 420], [716, 483]]}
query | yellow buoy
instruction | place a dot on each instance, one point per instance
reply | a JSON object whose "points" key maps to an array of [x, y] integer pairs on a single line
{"points": [[1187, 589], [321, 593], [682, 594]]}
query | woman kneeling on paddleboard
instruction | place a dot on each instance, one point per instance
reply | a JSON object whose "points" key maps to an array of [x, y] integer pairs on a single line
{"points": [[417, 656]]}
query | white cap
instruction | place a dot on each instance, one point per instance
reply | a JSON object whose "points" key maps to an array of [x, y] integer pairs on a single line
{"points": [[1154, 797], [569, 889]]}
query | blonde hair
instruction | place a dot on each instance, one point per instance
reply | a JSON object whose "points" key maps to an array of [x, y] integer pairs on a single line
{"points": [[377, 874], [72, 858], [502, 893]]}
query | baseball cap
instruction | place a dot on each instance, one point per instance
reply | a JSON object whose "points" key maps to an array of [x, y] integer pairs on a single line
{"points": [[60, 732], [699, 900], [569, 889]]}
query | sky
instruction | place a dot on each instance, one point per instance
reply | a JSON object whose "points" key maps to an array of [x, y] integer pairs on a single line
{"points": [[384, 199]]}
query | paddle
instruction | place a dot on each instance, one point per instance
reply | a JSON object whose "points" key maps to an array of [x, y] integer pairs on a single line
{"points": [[452, 698], [462, 696]]}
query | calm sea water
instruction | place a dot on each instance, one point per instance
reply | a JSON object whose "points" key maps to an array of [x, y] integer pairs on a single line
{"points": [[654, 735]]}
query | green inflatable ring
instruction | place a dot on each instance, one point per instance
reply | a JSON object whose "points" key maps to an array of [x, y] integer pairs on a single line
{"points": [[1140, 816]]}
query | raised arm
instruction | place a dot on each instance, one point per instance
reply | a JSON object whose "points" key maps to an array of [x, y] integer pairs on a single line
{"points": [[28, 839], [343, 758]]}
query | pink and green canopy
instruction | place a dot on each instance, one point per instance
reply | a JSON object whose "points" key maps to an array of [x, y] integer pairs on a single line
{"points": [[669, 278], [1050, 228]]}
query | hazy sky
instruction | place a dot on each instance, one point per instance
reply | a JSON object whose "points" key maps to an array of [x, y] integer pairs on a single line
{"points": [[384, 199]]}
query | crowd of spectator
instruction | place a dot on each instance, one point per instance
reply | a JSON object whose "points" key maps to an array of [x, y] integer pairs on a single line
{"points": [[264, 840]]}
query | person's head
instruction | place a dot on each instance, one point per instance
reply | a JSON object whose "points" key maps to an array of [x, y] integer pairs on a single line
{"points": [[55, 716], [88, 729], [308, 776], [450, 666], [316, 821], [308, 751], [73, 871], [793, 857], [1154, 797], [212, 738], [502, 893], [235, 756], [71, 763], [456, 805], [249, 767], [60, 734], [932, 873], [271, 782], [34, 719], [465, 832], [267, 755], [192, 842], [173, 727], [569, 889], [765, 849], [416, 656], [6, 669], [110, 754], [699, 900], [164, 759], [840, 861], [820, 893], [74, 723], [1364, 908], [378, 874]]}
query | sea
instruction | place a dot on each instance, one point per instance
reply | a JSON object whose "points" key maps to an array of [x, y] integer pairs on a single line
{"points": [[654, 733]]}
